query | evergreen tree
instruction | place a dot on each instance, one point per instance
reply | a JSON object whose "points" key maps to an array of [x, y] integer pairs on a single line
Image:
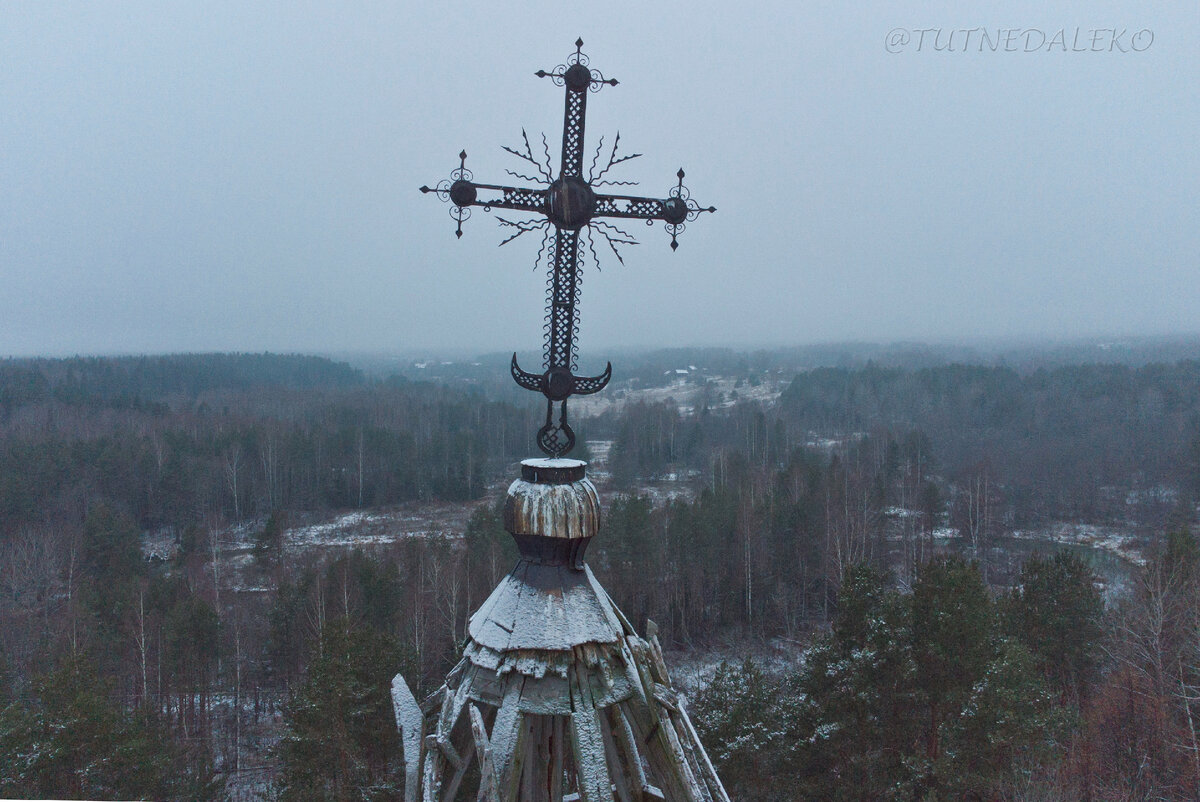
{"points": [[739, 715], [268, 543], [490, 551], [856, 713], [189, 657], [1010, 720], [1055, 611], [953, 626], [6, 680], [341, 741], [626, 531], [74, 743], [111, 560]]}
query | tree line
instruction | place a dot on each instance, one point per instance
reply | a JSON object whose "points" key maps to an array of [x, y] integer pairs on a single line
{"points": [[177, 441], [1063, 443], [813, 519]]}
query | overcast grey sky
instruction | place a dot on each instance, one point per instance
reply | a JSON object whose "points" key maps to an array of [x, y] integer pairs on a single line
{"points": [[243, 176]]}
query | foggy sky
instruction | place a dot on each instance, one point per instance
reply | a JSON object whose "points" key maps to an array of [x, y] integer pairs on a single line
{"points": [[243, 176]]}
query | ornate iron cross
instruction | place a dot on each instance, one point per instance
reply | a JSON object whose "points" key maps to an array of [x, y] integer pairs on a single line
{"points": [[570, 209]]}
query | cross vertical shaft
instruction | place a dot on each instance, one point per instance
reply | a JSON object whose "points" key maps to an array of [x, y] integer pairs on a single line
{"points": [[572, 144], [564, 292]]}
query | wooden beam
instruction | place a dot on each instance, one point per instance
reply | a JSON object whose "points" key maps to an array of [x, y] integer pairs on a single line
{"points": [[489, 790], [675, 778], [622, 776], [507, 740], [442, 744], [537, 759], [434, 767], [656, 656], [686, 748], [591, 764], [467, 744], [587, 741], [411, 723], [558, 749], [628, 746], [688, 732]]}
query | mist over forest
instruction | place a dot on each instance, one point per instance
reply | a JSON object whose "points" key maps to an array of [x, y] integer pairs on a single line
{"points": [[213, 564]]}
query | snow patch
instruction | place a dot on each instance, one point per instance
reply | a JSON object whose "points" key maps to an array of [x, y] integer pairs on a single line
{"points": [[1120, 542]]}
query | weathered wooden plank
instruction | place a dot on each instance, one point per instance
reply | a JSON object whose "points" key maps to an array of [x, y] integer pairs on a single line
{"points": [[548, 696], [489, 790], [558, 751], [531, 664], [608, 680], [487, 687], [641, 666], [435, 758], [693, 758], [647, 733], [456, 675], [452, 705], [629, 660], [587, 741], [434, 767], [439, 751], [482, 656], [410, 722], [611, 614], [443, 745], [492, 626], [466, 748], [591, 764], [537, 759], [622, 776], [507, 740], [433, 702], [666, 696], [672, 774], [556, 610], [627, 746], [499, 607], [657, 663], [707, 771], [696, 787]]}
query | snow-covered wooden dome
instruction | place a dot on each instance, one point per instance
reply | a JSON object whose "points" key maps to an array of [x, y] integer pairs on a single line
{"points": [[556, 698]]}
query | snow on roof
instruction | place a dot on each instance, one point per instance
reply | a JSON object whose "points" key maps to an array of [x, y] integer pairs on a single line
{"points": [[546, 607]]}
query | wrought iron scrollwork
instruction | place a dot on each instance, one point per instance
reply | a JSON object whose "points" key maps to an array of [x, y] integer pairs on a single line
{"points": [[569, 207]]}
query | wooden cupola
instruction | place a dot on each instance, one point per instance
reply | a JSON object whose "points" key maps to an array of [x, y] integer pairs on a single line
{"points": [[557, 698]]}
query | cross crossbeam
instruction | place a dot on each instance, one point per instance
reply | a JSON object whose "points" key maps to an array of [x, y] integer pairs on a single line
{"points": [[570, 205]]}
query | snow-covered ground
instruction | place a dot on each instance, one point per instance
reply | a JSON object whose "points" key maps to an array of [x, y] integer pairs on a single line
{"points": [[160, 545], [723, 391], [380, 527], [1114, 540], [345, 530], [691, 669], [1118, 541]]}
